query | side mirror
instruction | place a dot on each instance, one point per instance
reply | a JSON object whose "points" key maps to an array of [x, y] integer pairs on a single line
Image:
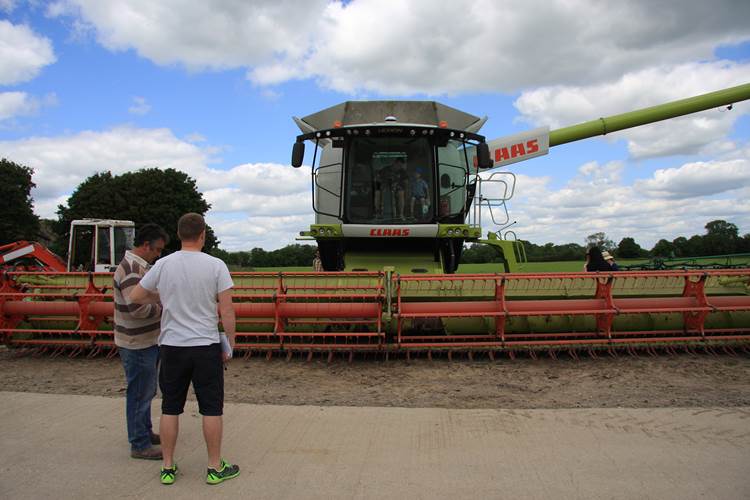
{"points": [[483, 156], [298, 154]]}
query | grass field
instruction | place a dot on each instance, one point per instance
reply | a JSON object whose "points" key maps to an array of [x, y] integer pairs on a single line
{"points": [[569, 266], [290, 269], [529, 267], [537, 267]]}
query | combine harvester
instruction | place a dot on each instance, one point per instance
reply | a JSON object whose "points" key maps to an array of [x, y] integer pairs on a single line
{"points": [[390, 258]]}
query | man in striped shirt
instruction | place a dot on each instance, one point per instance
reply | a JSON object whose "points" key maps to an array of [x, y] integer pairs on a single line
{"points": [[136, 335]]}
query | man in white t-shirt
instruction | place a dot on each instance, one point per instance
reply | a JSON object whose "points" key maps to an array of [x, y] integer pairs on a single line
{"points": [[190, 284]]}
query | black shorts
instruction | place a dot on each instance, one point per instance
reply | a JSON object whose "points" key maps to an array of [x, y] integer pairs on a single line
{"points": [[201, 365]]}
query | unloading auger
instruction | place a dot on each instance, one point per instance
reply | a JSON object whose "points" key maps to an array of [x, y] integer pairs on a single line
{"points": [[390, 246]]}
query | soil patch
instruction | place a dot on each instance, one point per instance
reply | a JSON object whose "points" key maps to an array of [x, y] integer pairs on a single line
{"points": [[631, 382]]}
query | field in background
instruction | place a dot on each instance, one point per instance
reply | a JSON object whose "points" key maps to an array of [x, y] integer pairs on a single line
{"points": [[570, 266], [529, 267], [290, 269]]}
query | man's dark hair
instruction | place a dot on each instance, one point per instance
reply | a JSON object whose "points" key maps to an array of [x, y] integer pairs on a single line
{"points": [[150, 233], [190, 226]]}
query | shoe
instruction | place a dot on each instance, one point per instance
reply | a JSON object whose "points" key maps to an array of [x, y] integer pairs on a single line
{"points": [[155, 439], [227, 471], [147, 453], [167, 475]]}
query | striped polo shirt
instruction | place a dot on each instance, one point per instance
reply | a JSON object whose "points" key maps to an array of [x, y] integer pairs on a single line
{"points": [[136, 325]]}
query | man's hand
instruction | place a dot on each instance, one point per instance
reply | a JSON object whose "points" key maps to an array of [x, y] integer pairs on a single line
{"points": [[226, 311], [226, 348]]}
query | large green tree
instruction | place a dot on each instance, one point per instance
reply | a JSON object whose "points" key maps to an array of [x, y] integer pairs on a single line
{"points": [[17, 219], [663, 248], [721, 237], [147, 195], [682, 246], [629, 249]]}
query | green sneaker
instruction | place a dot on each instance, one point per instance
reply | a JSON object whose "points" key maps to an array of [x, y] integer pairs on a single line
{"points": [[168, 474], [227, 471]]}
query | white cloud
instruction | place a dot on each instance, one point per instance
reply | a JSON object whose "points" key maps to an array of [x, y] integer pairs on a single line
{"points": [[698, 179], [704, 132], [267, 178], [422, 46], [672, 202], [23, 53], [140, 106], [200, 35], [47, 207], [62, 162], [264, 195], [15, 103], [269, 233], [7, 5], [195, 137], [239, 200]]}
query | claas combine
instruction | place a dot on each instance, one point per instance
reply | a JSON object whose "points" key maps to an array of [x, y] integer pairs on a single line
{"points": [[399, 187]]}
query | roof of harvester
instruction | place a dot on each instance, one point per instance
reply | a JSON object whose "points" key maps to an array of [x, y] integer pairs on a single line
{"points": [[413, 112]]}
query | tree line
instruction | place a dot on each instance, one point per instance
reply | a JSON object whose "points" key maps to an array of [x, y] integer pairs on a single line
{"points": [[291, 255], [721, 238]]}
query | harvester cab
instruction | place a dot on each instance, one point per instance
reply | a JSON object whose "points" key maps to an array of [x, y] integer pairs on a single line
{"points": [[98, 245], [397, 183]]}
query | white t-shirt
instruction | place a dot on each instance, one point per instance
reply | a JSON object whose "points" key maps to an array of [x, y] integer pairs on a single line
{"points": [[188, 284]]}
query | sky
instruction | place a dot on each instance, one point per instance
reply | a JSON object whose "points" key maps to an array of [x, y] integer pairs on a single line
{"points": [[210, 88]]}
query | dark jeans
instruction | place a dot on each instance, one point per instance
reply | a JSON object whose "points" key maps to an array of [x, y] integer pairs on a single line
{"points": [[140, 374]]}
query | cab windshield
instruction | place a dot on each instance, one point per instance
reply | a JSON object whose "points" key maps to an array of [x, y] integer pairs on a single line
{"points": [[389, 180]]}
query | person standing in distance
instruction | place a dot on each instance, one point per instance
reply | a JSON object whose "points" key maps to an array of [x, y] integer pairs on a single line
{"points": [[595, 261], [136, 335], [610, 260], [190, 283]]}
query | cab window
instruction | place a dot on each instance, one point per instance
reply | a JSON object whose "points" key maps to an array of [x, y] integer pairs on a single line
{"points": [[389, 180]]}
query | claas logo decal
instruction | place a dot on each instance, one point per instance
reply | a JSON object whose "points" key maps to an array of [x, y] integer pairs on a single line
{"points": [[381, 231], [516, 150]]}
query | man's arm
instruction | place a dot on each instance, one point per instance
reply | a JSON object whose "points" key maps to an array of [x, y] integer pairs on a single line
{"points": [[226, 311], [137, 308], [140, 295]]}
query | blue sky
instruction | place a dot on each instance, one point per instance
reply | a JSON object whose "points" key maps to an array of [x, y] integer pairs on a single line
{"points": [[210, 88]]}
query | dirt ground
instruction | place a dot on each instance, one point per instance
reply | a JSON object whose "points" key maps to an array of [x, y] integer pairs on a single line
{"points": [[631, 382]]}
